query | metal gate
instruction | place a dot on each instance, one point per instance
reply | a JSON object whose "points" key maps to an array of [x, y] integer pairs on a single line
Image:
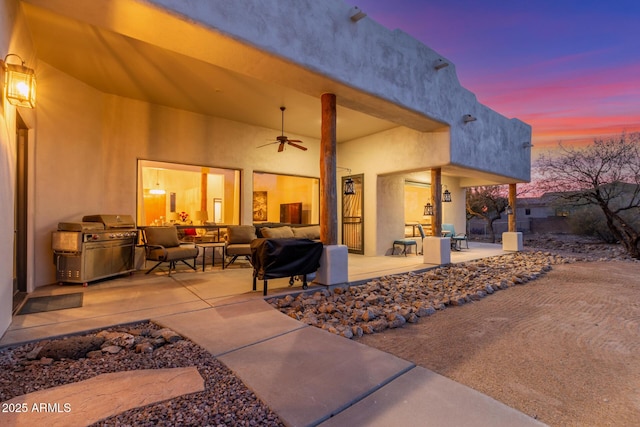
{"points": [[353, 215]]}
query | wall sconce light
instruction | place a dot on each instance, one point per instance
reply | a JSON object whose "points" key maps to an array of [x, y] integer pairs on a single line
{"points": [[356, 14], [20, 83], [349, 187], [349, 184], [446, 196], [527, 145], [428, 210], [440, 64], [468, 118], [509, 210]]}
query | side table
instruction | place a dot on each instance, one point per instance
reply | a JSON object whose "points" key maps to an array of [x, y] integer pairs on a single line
{"points": [[213, 246]]}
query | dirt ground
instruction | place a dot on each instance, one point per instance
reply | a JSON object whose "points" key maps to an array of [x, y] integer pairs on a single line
{"points": [[564, 349]]}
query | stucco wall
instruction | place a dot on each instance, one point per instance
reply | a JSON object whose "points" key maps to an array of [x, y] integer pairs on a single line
{"points": [[388, 65], [14, 38], [89, 143]]}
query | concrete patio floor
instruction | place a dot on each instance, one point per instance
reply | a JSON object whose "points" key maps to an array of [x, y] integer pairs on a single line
{"points": [[141, 297], [345, 382]]}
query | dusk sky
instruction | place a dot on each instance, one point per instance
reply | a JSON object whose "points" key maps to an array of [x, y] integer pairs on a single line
{"points": [[571, 69]]}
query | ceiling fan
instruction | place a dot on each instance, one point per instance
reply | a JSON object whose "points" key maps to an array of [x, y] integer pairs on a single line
{"points": [[283, 139]]}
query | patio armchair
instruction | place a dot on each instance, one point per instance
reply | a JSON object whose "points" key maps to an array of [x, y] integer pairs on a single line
{"points": [[238, 242], [162, 245], [448, 230], [408, 242]]}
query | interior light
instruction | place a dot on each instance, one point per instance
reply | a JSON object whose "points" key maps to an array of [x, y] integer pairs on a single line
{"points": [[428, 210], [20, 83]]}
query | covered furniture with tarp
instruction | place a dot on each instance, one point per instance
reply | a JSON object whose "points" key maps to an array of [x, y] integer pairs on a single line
{"points": [[162, 245], [276, 258]]}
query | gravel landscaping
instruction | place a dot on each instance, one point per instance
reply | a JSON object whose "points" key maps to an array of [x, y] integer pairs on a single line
{"points": [[378, 307]]}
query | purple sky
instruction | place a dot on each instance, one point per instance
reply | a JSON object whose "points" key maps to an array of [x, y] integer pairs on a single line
{"points": [[571, 69]]}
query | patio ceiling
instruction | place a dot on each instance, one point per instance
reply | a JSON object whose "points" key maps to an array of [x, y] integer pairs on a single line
{"points": [[78, 40]]}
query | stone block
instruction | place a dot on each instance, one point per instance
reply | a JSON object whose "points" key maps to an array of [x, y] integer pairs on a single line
{"points": [[436, 250], [512, 241], [334, 266]]}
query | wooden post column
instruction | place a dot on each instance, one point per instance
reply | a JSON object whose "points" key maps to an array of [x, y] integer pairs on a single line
{"points": [[203, 188], [436, 201], [512, 220], [328, 197]]}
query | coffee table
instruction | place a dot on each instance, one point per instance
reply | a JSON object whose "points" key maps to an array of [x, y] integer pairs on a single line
{"points": [[213, 246]]}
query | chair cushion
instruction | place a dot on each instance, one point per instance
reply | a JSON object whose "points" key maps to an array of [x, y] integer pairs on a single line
{"points": [[164, 236], [240, 234], [311, 232], [239, 249], [277, 232], [174, 253]]}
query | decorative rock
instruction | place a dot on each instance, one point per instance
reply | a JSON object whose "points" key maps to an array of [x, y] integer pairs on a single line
{"points": [[144, 347], [392, 301], [112, 349], [71, 348], [94, 354], [170, 336]]}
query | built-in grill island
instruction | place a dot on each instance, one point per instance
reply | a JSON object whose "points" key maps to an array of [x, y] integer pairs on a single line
{"points": [[100, 246]]}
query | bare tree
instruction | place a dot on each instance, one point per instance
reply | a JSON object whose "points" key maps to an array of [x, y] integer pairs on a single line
{"points": [[605, 174], [488, 203]]}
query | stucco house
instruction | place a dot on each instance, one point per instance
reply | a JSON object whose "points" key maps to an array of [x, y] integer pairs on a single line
{"points": [[128, 88]]}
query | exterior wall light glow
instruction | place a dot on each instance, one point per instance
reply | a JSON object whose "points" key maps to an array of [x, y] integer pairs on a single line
{"points": [[509, 210], [19, 83], [468, 118], [356, 14]]}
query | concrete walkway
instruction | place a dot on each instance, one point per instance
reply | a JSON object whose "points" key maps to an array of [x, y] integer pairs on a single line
{"points": [[312, 377], [306, 375]]}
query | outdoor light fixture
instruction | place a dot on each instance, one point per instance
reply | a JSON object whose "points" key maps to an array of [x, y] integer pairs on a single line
{"points": [[440, 64], [428, 210], [349, 185], [468, 118], [19, 83], [356, 14], [509, 210], [527, 145], [446, 196]]}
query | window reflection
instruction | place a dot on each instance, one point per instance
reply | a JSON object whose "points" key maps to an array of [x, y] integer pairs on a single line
{"points": [[187, 194]]}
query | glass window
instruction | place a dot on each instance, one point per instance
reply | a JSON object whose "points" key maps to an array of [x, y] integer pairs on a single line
{"points": [[187, 194], [285, 198]]}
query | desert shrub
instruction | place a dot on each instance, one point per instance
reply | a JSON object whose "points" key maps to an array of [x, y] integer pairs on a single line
{"points": [[590, 221]]}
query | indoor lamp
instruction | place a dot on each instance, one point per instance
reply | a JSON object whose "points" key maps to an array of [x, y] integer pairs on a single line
{"points": [[20, 83]]}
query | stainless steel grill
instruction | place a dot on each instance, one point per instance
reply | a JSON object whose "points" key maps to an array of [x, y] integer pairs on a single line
{"points": [[100, 246]]}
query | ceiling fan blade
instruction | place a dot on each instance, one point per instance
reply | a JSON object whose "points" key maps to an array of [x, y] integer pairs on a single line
{"points": [[268, 143], [294, 140], [297, 146], [281, 147]]}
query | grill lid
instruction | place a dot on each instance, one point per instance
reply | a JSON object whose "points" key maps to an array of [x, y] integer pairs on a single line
{"points": [[111, 221], [80, 226]]}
